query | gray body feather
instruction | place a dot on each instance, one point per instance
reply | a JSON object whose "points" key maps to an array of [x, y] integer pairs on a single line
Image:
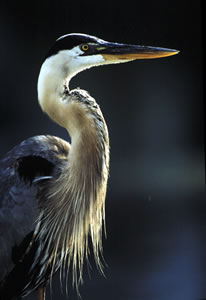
{"points": [[37, 157]]}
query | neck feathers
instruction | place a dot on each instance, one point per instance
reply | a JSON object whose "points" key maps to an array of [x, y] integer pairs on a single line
{"points": [[75, 206]]}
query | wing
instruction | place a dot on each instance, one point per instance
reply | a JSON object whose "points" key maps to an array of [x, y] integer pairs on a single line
{"points": [[22, 172]]}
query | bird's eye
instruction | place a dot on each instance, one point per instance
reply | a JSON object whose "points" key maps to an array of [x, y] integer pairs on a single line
{"points": [[85, 47]]}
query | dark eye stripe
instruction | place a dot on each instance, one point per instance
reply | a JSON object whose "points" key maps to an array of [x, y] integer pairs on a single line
{"points": [[70, 41]]}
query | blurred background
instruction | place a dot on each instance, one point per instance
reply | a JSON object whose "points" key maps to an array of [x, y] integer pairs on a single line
{"points": [[155, 207]]}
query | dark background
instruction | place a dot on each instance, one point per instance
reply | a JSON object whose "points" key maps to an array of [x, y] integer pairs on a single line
{"points": [[155, 247]]}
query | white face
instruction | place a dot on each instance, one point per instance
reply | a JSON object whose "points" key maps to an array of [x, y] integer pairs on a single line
{"points": [[73, 62], [76, 63], [61, 67]]}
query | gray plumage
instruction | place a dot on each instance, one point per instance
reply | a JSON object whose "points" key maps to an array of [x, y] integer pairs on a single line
{"points": [[33, 158]]}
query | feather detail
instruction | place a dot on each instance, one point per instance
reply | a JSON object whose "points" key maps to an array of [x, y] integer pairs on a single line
{"points": [[74, 206]]}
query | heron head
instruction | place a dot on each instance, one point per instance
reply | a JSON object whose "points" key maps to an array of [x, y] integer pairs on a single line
{"points": [[82, 51], [73, 53]]}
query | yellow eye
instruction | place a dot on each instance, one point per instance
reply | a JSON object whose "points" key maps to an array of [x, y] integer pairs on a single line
{"points": [[85, 47]]}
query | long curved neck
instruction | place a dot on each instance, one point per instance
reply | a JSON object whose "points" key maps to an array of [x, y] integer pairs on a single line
{"points": [[77, 197]]}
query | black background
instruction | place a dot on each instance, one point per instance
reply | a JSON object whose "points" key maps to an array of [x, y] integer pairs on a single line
{"points": [[155, 247]]}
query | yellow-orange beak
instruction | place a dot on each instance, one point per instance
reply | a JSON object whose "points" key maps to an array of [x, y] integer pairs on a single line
{"points": [[115, 51]]}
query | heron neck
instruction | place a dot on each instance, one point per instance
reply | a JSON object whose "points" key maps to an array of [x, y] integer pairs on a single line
{"points": [[89, 143], [77, 199], [52, 78], [86, 156]]}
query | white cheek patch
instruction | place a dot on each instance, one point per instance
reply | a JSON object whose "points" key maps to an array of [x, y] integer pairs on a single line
{"points": [[74, 52], [76, 63]]}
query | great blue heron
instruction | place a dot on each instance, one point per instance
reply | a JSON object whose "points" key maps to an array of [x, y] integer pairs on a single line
{"points": [[52, 194]]}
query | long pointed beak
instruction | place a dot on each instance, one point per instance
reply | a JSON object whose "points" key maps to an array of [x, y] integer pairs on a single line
{"points": [[115, 51]]}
